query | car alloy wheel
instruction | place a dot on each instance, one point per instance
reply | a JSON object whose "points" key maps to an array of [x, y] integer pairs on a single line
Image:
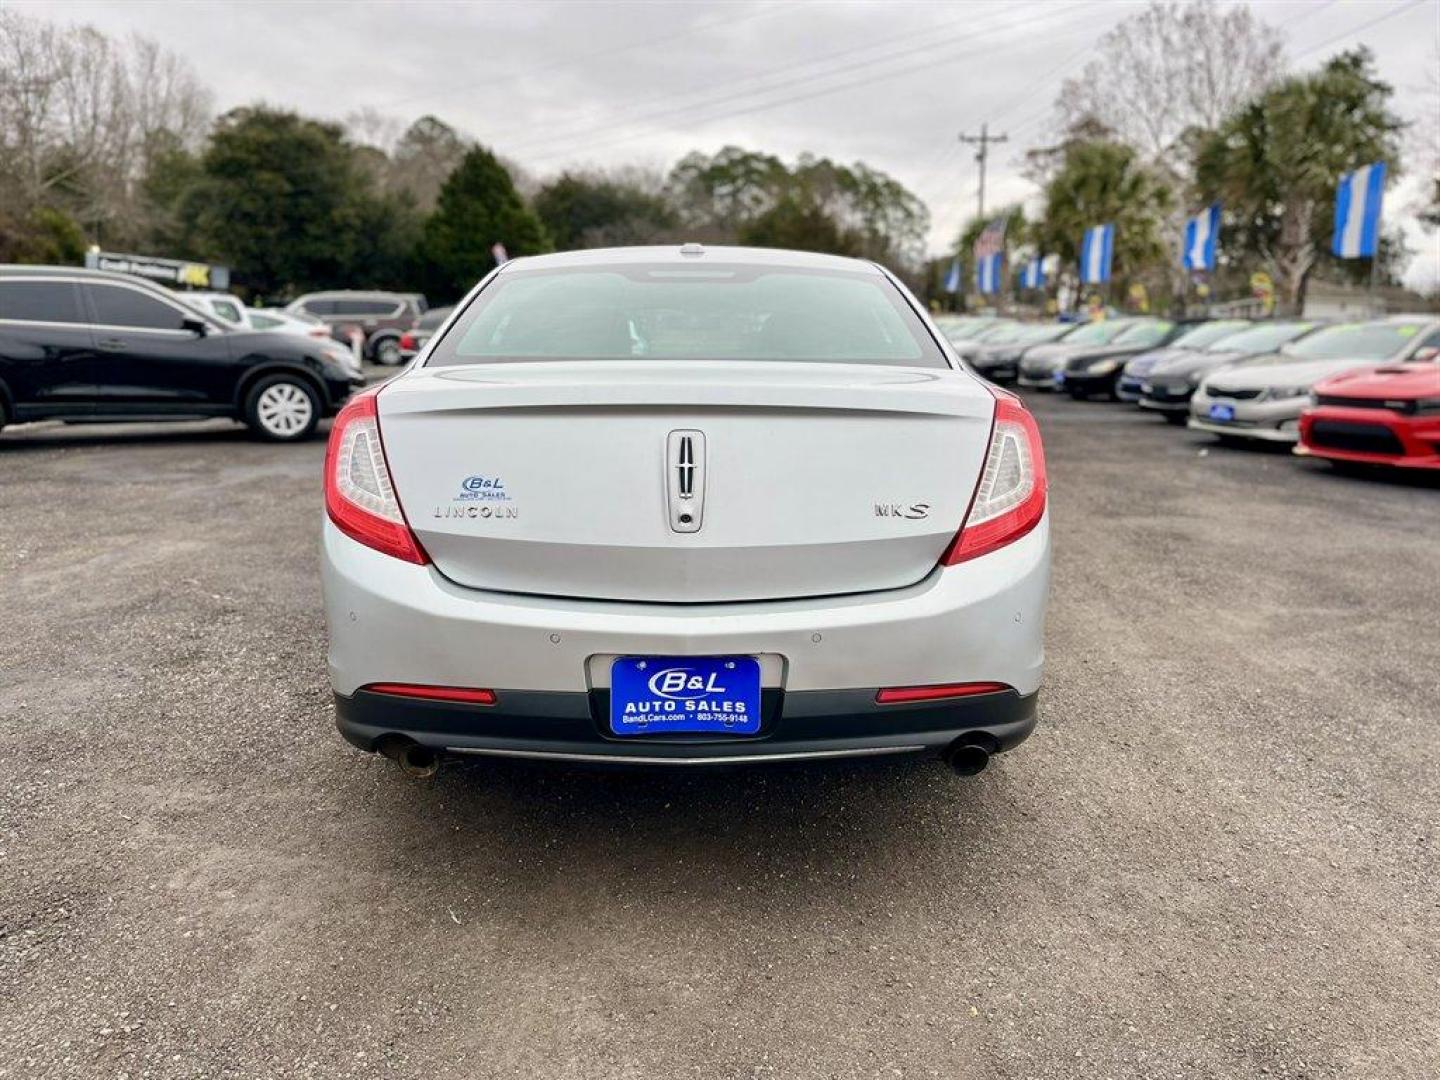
{"points": [[283, 409], [387, 352]]}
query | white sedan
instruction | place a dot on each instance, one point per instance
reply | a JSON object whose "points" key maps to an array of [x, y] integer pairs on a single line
{"points": [[686, 506]]}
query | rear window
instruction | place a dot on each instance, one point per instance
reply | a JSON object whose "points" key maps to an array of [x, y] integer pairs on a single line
{"points": [[432, 319], [40, 301], [670, 312], [1356, 341], [366, 307]]}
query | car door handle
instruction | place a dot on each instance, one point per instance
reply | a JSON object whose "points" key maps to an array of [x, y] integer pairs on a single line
{"points": [[112, 344]]}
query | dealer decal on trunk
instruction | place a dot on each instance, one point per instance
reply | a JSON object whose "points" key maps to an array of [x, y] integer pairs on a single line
{"points": [[478, 498]]}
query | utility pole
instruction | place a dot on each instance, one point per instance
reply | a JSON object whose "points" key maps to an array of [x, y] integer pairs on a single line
{"points": [[983, 140]]}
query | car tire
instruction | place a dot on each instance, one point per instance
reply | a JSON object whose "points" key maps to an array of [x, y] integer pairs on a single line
{"points": [[4, 417], [387, 352], [282, 408]]}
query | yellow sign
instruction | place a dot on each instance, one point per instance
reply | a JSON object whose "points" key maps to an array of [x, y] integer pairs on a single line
{"points": [[1262, 287]]}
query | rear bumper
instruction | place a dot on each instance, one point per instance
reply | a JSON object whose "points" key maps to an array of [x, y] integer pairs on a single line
{"points": [[798, 726], [549, 658]]}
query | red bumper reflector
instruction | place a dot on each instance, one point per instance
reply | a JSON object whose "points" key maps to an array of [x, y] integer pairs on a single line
{"points": [[461, 694], [898, 694]]}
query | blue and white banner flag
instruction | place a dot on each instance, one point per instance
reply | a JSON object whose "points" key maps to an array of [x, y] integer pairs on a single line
{"points": [[987, 273], [1032, 274], [1201, 233], [1096, 253], [1357, 212], [952, 277]]}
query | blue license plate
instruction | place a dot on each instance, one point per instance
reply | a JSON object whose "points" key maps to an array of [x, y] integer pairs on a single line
{"points": [[660, 695], [1222, 412], [1059, 378]]}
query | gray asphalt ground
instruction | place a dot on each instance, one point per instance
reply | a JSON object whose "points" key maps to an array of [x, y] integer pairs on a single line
{"points": [[1215, 858]]}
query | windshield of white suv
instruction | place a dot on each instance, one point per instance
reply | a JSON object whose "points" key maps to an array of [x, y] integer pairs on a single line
{"points": [[671, 312], [1357, 341]]}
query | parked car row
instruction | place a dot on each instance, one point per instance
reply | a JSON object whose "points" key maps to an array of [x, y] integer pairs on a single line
{"points": [[1361, 393]]}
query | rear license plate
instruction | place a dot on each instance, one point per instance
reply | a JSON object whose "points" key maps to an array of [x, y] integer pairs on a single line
{"points": [[1222, 412], [1059, 378], [658, 695]]}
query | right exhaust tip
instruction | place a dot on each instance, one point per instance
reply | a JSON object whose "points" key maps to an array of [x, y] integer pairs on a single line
{"points": [[967, 758], [414, 760]]}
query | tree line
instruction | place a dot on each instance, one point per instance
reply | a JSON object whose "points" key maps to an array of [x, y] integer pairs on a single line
{"points": [[113, 143], [1189, 104]]}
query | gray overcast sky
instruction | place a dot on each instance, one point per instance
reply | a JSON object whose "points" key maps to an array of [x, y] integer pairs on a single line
{"points": [[892, 83]]}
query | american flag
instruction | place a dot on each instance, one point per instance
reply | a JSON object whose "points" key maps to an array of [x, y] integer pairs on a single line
{"points": [[991, 240]]}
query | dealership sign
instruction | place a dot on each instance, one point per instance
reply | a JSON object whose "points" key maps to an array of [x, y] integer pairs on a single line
{"points": [[178, 272]]}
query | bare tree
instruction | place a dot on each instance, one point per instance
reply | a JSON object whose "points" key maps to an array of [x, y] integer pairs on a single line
{"points": [[1173, 68], [81, 116], [1162, 77]]}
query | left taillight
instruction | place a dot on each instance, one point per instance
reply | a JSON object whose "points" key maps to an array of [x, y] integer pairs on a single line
{"points": [[1009, 501], [359, 494]]}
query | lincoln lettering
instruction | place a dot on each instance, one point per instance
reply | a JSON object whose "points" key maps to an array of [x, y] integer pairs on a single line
{"points": [[477, 511]]}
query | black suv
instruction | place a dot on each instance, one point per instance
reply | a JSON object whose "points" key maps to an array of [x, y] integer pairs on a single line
{"points": [[381, 317], [90, 346]]}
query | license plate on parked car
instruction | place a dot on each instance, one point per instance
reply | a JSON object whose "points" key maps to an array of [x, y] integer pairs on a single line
{"points": [[658, 695], [1222, 412], [1059, 378]]}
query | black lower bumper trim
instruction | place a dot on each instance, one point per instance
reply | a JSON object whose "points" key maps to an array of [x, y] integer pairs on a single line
{"points": [[798, 724]]}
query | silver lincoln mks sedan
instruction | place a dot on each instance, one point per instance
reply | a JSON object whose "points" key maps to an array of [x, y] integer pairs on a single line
{"points": [[686, 506]]}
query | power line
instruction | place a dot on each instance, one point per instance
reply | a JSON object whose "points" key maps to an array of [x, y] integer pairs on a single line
{"points": [[791, 100], [611, 117], [1363, 26], [568, 61], [926, 46]]}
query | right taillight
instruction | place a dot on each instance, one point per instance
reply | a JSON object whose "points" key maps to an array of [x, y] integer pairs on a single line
{"points": [[1010, 498], [359, 495]]}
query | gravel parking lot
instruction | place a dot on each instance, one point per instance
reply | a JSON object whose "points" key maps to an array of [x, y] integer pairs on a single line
{"points": [[1215, 858]]}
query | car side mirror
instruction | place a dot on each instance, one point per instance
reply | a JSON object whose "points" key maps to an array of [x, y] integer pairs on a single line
{"points": [[1429, 352], [198, 327]]}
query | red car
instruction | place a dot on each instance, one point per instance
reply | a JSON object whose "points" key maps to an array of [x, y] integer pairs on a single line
{"points": [[1387, 415]]}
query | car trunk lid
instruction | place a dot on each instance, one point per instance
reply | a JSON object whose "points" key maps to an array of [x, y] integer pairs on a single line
{"points": [[564, 478]]}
